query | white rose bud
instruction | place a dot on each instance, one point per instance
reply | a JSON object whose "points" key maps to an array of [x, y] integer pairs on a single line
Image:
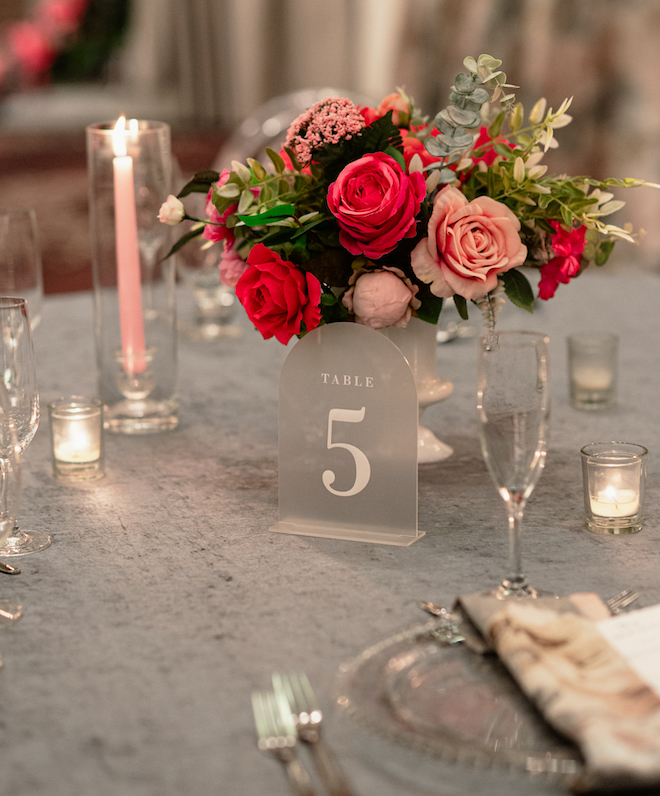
{"points": [[172, 211]]}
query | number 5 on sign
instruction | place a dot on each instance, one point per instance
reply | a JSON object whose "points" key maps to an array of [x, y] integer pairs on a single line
{"points": [[362, 466], [348, 438]]}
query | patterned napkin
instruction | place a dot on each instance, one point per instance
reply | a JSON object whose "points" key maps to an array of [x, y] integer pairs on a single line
{"points": [[583, 687]]}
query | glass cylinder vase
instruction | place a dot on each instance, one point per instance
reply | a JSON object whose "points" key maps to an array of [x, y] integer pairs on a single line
{"points": [[134, 288]]}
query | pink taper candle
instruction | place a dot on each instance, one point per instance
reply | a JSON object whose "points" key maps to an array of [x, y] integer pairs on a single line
{"points": [[128, 256]]}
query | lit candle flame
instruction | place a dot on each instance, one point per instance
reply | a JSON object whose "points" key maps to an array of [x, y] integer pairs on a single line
{"points": [[119, 138], [611, 493]]}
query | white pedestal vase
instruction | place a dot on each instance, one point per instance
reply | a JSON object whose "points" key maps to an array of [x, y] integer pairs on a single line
{"points": [[418, 345]]}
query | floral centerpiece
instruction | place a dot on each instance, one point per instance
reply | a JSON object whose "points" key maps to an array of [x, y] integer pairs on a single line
{"points": [[376, 215]]}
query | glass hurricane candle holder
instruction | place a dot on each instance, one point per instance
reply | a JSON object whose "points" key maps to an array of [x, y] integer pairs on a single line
{"points": [[76, 426], [592, 369], [614, 476], [134, 286]]}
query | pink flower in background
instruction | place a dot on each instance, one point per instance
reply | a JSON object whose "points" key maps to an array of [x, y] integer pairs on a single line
{"points": [[278, 296], [399, 107], [232, 267], [375, 203], [468, 245], [568, 246], [31, 47], [414, 146], [327, 122], [381, 298], [62, 16]]}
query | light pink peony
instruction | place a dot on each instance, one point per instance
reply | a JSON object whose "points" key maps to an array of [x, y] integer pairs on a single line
{"points": [[468, 245], [375, 203], [381, 298], [232, 267]]}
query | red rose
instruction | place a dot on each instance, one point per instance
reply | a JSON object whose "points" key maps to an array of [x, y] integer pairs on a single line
{"points": [[278, 297], [375, 203], [568, 245]]}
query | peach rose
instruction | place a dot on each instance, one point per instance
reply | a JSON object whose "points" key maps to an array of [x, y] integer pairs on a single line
{"points": [[468, 245], [381, 298]]}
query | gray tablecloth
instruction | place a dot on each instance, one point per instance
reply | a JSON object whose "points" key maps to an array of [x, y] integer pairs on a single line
{"points": [[164, 599]]}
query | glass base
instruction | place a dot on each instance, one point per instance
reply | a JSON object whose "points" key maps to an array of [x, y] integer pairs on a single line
{"points": [[508, 590], [593, 400], [23, 543], [141, 417], [614, 525], [9, 613]]}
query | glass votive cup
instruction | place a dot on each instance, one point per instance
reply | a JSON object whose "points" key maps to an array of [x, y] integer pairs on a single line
{"points": [[592, 369], [614, 476], [76, 433]]}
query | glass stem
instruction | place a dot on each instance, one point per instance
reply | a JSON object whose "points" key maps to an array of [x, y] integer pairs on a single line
{"points": [[516, 581]]}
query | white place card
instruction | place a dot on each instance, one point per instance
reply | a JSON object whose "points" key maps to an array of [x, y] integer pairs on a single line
{"points": [[636, 637], [348, 438]]}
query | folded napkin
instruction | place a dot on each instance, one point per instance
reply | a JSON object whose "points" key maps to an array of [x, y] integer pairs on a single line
{"points": [[583, 687]]}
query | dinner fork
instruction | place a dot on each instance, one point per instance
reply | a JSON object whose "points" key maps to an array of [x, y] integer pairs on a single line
{"points": [[294, 692], [621, 600], [277, 738]]}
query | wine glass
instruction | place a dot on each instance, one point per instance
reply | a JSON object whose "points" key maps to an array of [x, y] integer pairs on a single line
{"points": [[17, 365], [20, 260], [10, 490], [513, 404]]}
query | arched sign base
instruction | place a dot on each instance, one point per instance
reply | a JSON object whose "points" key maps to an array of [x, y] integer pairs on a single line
{"points": [[348, 438]]}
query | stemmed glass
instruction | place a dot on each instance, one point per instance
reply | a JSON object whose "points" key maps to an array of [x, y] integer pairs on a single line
{"points": [[18, 369], [513, 404], [10, 490], [20, 260]]}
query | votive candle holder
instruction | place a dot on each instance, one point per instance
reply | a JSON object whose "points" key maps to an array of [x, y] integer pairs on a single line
{"points": [[614, 477], [76, 425], [592, 369]]}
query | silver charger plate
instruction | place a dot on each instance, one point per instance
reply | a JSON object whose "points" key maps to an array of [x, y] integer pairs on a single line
{"points": [[455, 704]]}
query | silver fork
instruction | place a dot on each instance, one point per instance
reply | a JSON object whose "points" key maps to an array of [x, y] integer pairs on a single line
{"points": [[621, 600], [295, 693], [277, 738]]}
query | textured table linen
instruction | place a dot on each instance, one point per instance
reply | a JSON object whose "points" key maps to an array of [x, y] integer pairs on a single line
{"points": [[164, 599]]}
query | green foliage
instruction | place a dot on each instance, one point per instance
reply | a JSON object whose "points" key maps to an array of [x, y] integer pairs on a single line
{"points": [[200, 183], [518, 289], [430, 309]]}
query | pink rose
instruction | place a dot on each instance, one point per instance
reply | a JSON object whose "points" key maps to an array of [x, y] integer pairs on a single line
{"points": [[468, 245], [568, 246], [381, 298], [399, 107], [31, 47], [232, 267], [278, 296], [375, 203]]}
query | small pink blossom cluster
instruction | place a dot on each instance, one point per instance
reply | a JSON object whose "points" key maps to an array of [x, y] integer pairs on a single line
{"points": [[327, 122]]}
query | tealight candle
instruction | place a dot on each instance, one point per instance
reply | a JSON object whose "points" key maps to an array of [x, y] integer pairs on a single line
{"points": [[614, 476], [613, 502], [592, 369], [77, 437]]}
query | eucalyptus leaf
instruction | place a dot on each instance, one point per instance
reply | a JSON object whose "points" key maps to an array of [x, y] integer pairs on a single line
{"points": [[464, 84], [446, 175]]}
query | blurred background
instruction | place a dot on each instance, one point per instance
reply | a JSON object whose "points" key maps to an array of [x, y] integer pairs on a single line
{"points": [[228, 75]]}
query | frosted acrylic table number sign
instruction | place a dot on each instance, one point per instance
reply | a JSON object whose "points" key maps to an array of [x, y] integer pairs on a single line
{"points": [[348, 438]]}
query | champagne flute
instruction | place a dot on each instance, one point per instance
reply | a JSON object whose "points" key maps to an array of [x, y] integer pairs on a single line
{"points": [[17, 365], [10, 490], [513, 404], [20, 260]]}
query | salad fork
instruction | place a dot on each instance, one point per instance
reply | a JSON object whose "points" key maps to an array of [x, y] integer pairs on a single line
{"points": [[277, 738], [295, 694]]}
